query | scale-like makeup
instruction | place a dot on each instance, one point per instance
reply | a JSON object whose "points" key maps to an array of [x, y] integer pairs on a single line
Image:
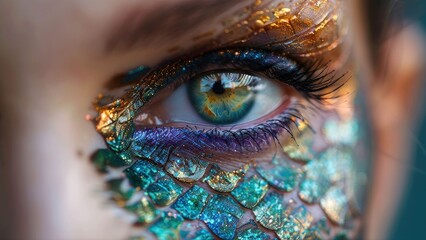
{"points": [[293, 172]]}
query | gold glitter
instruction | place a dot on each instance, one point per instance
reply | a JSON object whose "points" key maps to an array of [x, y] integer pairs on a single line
{"points": [[304, 28], [281, 12], [259, 23], [224, 181], [301, 149], [335, 205], [265, 19]]}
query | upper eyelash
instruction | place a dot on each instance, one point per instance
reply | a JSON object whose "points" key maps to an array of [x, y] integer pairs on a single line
{"points": [[313, 81]]}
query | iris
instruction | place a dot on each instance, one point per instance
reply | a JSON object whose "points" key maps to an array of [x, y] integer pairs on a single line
{"points": [[225, 97]]}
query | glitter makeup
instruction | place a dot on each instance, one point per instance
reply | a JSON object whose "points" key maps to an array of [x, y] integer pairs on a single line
{"points": [[292, 173]]}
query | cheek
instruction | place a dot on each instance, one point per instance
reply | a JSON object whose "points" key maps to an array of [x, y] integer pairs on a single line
{"points": [[49, 142]]}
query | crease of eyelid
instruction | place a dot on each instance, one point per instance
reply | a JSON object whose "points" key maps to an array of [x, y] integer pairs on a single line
{"points": [[126, 79], [134, 29], [173, 19], [326, 16]]}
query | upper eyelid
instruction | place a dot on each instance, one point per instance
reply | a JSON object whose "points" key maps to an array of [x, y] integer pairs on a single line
{"points": [[121, 112], [300, 26]]}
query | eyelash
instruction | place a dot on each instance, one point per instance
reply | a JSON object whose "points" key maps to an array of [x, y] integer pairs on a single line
{"points": [[314, 81]]}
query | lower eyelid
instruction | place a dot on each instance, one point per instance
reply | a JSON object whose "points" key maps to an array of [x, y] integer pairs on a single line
{"points": [[234, 144]]}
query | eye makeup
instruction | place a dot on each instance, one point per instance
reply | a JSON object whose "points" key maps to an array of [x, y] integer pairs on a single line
{"points": [[290, 174], [310, 81], [304, 28]]}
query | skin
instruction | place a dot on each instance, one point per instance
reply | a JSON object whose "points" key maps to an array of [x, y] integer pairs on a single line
{"points": [[52, 64]]}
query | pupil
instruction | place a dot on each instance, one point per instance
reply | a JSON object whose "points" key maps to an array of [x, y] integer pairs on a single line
{"points": [[218, 87]]}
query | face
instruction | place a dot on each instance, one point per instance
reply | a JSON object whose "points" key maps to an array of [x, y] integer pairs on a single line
{"points": [[214, 119]]}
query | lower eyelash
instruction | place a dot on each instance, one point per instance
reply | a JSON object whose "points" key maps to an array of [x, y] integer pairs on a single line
{"points": [[158, 144]]}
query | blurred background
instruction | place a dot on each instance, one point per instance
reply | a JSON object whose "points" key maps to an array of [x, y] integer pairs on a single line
{"points": [[410, 222]]}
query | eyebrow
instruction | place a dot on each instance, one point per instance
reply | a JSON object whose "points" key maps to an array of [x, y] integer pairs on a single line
{"points": [[166, 21]]}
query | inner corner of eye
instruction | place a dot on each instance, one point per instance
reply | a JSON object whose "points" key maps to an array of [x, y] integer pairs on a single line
{"points": [[218, 99]]}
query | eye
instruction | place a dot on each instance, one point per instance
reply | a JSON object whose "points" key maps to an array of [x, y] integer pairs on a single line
{"points": [[228, 101], [218, 99]]}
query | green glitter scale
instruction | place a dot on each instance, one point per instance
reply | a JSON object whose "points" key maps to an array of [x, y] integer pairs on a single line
{"points": [[223, 181], [335, 205], [252, 233], [250, 191], [144, 209], [279, 174], [142, 174], [270, 211], [195, 230], [120, 189], [191, 203], [344, 133], [291, 230], [313, 188], [303, 216], [222, 215], [104, 158], [186, 170], [158, 156], [122, 139], [301, 148], [333, 166], [164, 191], [167, 227]]}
